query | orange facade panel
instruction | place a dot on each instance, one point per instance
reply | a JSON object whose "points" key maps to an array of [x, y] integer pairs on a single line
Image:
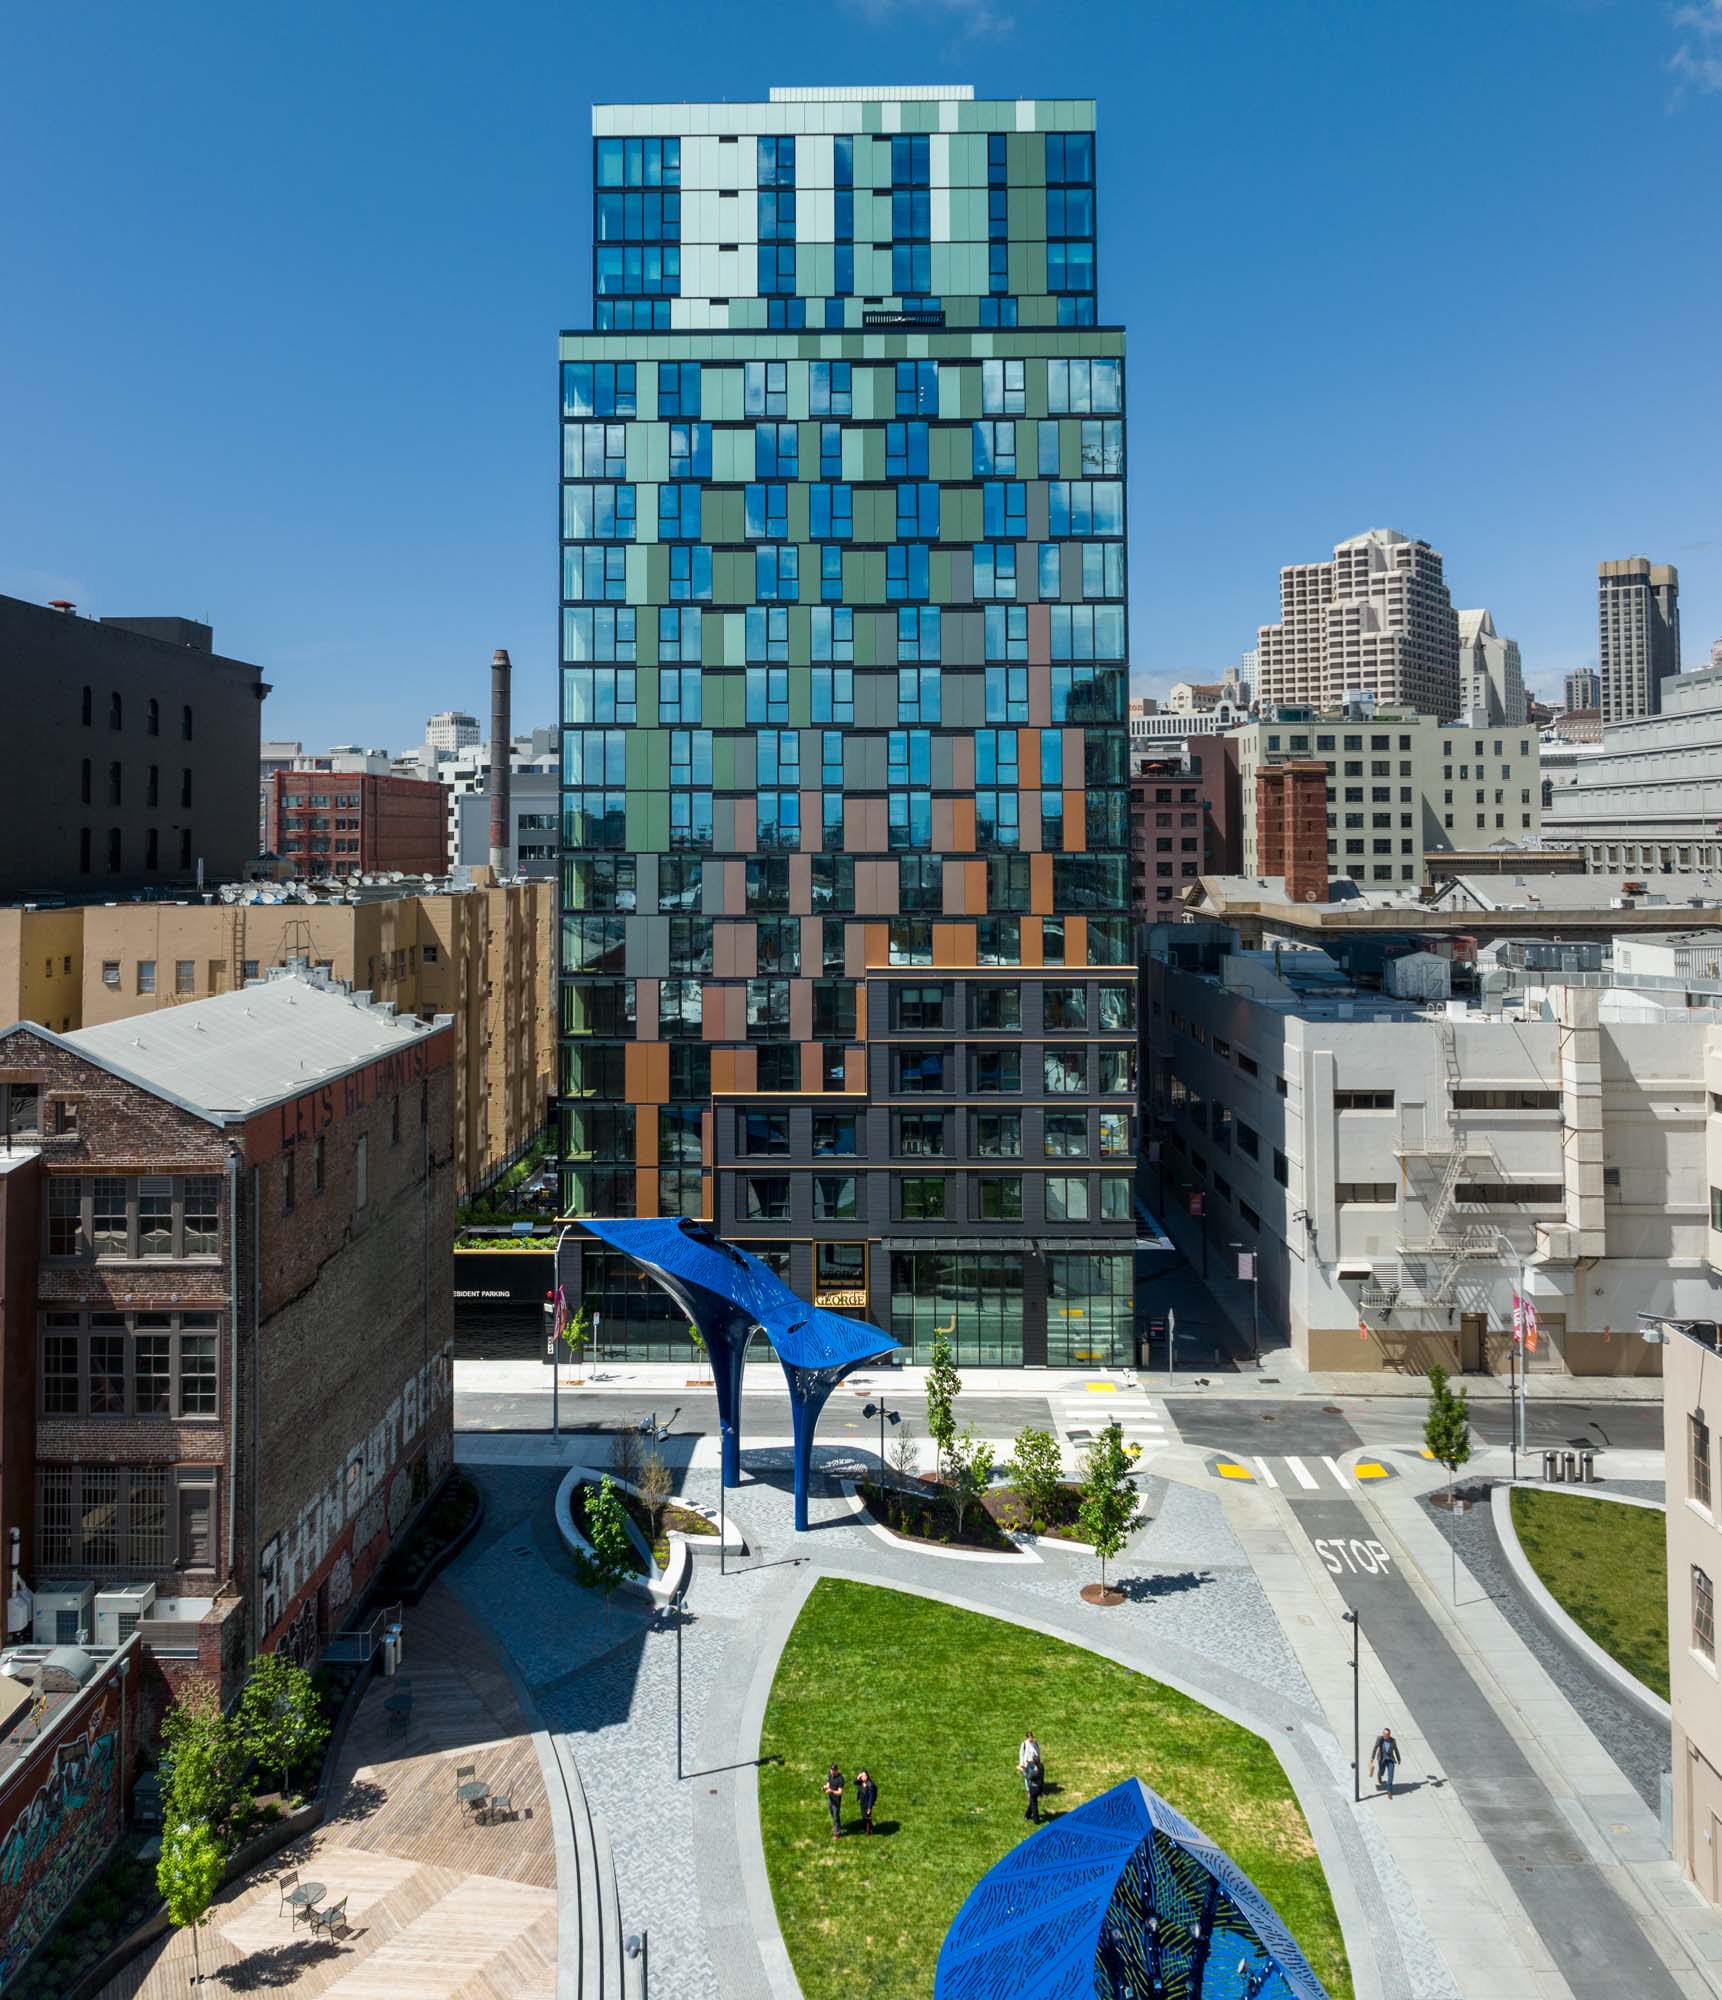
{"points": [[953, 944], [1040, 884], [646, 1072], [962, 826], [1075, 823]]}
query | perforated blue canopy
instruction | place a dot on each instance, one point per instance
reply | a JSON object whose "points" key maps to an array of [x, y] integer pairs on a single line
{"points": [[728, 1295], [1120, 1899]]}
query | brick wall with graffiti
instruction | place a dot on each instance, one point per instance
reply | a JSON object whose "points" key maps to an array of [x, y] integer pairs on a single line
{"points": [[61, 1808], [315, 1563]]}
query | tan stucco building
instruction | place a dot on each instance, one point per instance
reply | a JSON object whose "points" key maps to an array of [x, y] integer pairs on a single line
{"points": [[484, 955]]}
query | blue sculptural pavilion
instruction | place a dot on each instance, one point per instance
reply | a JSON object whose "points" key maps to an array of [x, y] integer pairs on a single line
{"points": [[1120, 1899], [730, 1296]]}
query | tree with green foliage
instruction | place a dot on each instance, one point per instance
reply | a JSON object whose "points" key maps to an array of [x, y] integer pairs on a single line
{"points": [[577, 1331], [280, 1716], [202, 1766], [944, 1386], [612, 1558], [1034, 1469], [188, 1875], [1447, 1427], [697, 1341], [969, 1467], [1109, 1509]]}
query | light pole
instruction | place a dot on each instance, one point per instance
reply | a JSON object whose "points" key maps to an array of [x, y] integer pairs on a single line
{"points": [[677, 1611], [1356, 1713], [1520, 1372], [554, 1311], [724, 1431], [879, 1410]]}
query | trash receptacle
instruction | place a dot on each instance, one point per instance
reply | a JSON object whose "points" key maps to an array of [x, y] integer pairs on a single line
{"points": [[1551, 1465], [1569, 1466], [1587, 1467], [391, 1649]]}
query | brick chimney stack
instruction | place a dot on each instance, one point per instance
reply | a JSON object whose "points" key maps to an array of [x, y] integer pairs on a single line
{"points": [[1291, 827]]}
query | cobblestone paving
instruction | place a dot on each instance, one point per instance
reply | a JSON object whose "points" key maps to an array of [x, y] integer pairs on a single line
{"points": [[1639, 1746], [612, 1692]]}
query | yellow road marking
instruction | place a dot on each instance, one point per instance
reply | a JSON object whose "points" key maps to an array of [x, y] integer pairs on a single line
{"points": [[1102, 1388], [1227, 1470], [1366, 1468]]}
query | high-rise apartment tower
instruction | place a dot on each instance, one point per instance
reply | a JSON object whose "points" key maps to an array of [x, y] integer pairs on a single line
{"points": [[1638, 634], [1583, 688], [1376, 622], [846, 947]]}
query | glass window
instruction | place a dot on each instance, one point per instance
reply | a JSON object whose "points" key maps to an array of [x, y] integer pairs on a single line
{"points": [[1066, 1070], [1066, 1198]]}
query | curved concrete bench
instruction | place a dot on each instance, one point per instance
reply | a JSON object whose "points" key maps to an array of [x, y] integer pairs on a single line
{"points": [[591, 1954], [1543, 1603], [657, 1586]]}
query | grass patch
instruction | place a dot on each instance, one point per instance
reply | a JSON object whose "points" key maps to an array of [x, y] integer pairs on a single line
{"points": [[1606, 1566], [934, 1701]]}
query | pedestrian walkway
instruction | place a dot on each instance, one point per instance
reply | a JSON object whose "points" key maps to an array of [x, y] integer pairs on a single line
{"points": [[1518, 1889], [1295, 1475], [1079, 1415], [440, 1904]]}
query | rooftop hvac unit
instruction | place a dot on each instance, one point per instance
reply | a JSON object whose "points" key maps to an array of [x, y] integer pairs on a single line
{"points": [[65, 1615], [118, 1611]]}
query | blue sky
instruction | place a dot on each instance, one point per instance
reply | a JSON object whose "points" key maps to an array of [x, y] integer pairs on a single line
{"points": [[283, 288]]}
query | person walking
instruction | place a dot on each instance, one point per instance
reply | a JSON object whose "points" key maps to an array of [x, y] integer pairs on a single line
{"points": [[866, 1797], [1384, 1760], [1033, 1769], [834, 1799]]}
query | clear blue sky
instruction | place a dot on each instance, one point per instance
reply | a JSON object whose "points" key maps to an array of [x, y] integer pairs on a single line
{"points": [[283, 287]]}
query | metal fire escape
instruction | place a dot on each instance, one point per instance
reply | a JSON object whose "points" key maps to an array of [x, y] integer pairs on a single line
{"points": [[1451, 1242]]}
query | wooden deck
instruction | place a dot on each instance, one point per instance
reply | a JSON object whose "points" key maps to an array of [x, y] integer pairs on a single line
{"points": [[440, 1907]]}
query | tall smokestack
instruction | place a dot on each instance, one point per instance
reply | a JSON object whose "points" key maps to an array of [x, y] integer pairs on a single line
{"points": [[501, 825]]}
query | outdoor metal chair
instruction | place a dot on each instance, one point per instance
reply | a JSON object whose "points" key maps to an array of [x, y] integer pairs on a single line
{"points": [[330, 1920], [287, 1883], [500, 1805]]}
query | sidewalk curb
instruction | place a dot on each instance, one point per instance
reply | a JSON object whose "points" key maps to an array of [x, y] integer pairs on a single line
{"points": [[1537, 1594]]}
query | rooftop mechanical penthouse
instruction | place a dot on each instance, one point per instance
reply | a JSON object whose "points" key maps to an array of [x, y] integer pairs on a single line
{"points": [[846, 959]]}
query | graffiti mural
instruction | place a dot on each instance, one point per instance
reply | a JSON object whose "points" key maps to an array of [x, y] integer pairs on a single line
{"points": [[59, 1835], [357, 1490], [301, 1640]]}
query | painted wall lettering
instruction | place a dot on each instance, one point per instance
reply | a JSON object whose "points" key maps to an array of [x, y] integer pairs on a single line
{"points": [[357, 1492], [59, 1834]]}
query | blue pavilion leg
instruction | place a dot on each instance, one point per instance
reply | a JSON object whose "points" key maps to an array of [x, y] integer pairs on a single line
{"points": [[728, 1352], [807, 1397]]}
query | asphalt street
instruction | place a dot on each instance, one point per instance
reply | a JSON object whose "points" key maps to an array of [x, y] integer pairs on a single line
{"points": [[693, 1413]]}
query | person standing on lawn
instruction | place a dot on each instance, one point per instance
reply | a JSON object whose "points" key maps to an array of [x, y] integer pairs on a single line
{"points": [[1033, 1769], [1384, 1760], [866, 1797], [834, 1799]]}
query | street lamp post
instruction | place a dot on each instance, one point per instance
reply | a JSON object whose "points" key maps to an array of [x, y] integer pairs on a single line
{"points": [[724, 1431], [553, 1315], [678, 1613], [1356, 1713], [879, 1410]]}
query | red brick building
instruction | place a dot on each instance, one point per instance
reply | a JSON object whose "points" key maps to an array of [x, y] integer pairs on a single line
{"points": [[350, 823], [227, 1318], [1291, 826], [1186, 820]]}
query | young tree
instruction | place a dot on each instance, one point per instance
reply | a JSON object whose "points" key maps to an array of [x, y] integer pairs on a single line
{"points": [[188, 1875], [1109, 1502], [576, 1332], [1447, 1427], [280, 1718], [626, 1455], [203, 1765], [612, 1559], [944, 1386], [906, 1453], [657, 1482], [969, 1466], [698, 1342], [1034, 1469]]}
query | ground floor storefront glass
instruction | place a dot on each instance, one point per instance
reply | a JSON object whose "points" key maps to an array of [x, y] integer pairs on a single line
{"points": [[974, 1297], [640, 1321], [1090, 1313]]}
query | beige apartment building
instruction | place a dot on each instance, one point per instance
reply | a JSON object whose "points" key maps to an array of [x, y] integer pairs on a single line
{"points": [[1377, 620], [1400, 786], [485, 955], [1691, 1419]]}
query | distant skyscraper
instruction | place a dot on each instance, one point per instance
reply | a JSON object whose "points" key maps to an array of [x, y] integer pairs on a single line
{"points": [[1377, 620], [847, 963], [1638, 635], [1491, 676], [451, 730], [1716, 652], [1584, 688]]}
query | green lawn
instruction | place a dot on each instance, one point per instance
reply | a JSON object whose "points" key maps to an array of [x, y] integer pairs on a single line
{"points": [[1606, 1566], [934, 1702]]}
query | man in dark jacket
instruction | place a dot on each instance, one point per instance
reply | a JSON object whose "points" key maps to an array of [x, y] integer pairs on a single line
{"points": [[834, 1799]]}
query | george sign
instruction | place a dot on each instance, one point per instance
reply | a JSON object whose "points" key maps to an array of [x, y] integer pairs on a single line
{"points": [[841, 1301]]}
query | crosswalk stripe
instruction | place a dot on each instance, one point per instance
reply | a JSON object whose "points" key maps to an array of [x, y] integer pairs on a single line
{"points": [[1295, 1467], [1333, 1467], [1267, 1472]]}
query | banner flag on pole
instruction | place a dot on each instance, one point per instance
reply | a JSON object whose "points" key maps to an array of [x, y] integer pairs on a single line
{"points": [[1518, 1321], [1530, 1328]]}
